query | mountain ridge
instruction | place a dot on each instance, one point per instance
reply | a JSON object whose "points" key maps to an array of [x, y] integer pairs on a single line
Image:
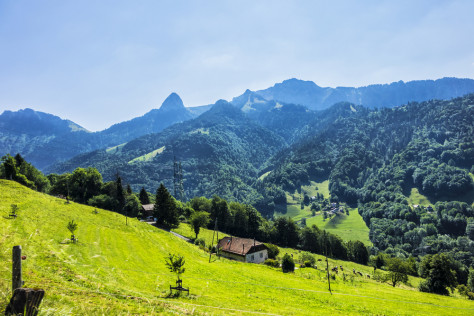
{"points": [[309, 94]]}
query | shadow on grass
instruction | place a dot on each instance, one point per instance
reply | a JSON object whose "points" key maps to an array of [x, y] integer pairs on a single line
{"points": [[336, 220]]}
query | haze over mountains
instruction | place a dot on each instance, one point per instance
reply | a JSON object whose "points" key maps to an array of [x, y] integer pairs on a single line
{"points": [[309, 94], [286, 108]]}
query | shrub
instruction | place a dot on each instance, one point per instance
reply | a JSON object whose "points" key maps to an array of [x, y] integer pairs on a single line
{"points": [[470, 296], [306, 256], [200, 242], [463, 290], [308, 264], [272, 263], [287, 263], [273, 251]]}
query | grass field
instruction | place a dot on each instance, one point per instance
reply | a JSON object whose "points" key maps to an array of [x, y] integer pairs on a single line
{"points": [[293, 207], [350, 227], [416, 198], [119, 270], [148, 157]]}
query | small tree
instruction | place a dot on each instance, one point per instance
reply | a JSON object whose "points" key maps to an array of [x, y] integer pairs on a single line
{"points": [[14, 210], [398, 270], [198, 220], [72, 227], [175, 264], [439, 274], [287, 263]]}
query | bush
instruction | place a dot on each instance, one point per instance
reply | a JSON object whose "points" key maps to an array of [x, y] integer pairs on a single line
{"points": [[470, 296], [308, 264], [272, 263], [307, 257], [200, 242], [287, 263], [463, 290], [273, 251]]}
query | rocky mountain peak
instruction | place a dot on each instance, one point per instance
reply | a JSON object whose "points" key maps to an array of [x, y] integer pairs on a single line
{"points": [[172, 103]]}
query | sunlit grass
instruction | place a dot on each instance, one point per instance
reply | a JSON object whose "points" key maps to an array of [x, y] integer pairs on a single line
{"points": [[117, 269], [348, 227]]}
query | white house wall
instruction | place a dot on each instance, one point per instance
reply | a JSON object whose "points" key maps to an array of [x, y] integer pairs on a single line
{"points": [[257, 257]]}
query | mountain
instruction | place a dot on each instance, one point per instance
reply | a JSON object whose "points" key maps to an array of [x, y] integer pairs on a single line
{"points": [[408, 169], [45, 139], [198, 110], [309, 94], [221, 153], [26, 130], [171, 111]]}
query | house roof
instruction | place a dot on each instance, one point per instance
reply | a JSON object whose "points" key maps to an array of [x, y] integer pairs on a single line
{"points": [[148, 207], [240, 246]]}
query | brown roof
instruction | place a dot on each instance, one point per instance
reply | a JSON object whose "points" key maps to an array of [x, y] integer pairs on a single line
{"points": [[148, 207], [240, 246]]}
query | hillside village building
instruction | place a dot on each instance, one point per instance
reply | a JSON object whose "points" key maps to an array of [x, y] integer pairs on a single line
{"points": [[147, 210], [243, 249]]}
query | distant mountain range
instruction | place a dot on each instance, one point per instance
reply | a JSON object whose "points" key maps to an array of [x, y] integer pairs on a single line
{"points": [[309, 94], [286, 109], [45, 139]]}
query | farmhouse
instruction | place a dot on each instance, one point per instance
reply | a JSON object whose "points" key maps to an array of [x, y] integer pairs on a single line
{"points": [[243, 249], [148, 210]]}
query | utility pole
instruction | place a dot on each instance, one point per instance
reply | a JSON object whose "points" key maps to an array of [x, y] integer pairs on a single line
{"points": [[212, 243], [327, 261]]}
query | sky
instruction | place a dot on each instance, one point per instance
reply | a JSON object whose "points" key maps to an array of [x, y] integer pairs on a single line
{"points": [[102, 62]]}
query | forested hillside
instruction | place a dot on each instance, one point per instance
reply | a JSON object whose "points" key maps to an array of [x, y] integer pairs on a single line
{"points": [[376, 158], [220, 153]]}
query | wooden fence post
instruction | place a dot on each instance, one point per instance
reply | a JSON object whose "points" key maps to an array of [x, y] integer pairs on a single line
{"points": [[17, 281]]}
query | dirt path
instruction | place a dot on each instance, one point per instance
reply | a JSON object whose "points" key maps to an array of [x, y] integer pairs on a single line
{"points": [[169, 231]]}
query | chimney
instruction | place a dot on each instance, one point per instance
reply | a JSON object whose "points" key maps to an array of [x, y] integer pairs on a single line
{"points": [[254, 241], [243, 248]]}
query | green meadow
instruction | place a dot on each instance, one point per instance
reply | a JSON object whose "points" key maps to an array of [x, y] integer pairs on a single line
{"points": [[118, 269], [348, 227]]}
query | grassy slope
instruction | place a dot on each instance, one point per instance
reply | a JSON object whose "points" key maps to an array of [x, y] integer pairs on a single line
{"points": [[350, 227], [128, 260]]}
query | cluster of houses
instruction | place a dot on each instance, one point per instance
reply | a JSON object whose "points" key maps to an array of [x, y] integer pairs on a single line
{"points": [[429, 208], [334, 208]]}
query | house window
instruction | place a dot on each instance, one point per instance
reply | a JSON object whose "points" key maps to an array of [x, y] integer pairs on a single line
{"points": [[261, 255], [251, 257]]}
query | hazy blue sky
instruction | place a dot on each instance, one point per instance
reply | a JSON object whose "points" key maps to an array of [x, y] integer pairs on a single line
{"points": [[102, 62]]}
